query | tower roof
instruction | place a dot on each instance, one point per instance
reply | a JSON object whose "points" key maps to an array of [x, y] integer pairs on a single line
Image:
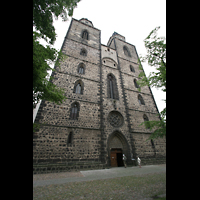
{"points": [[86, 21], [115, 35]]}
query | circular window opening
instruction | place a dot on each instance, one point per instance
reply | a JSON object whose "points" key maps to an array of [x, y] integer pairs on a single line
{"points": [[115, 118]]}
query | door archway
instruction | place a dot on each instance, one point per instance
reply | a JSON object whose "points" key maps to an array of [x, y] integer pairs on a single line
{"points": [[117, 145]]}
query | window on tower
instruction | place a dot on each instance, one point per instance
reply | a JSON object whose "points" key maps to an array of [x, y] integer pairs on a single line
{"points": [[85, 35], [145, 119], [81, 68], [112, 87], [132, 68], [69, 141], [74, 111], [126, 51], [78, 87], [83, 52], [140, 99], [152, 143], [135, 83]]}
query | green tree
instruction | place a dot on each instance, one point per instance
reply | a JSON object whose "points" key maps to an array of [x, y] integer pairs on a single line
{"points": [[42, 88], [43, 13], [156, 57]]}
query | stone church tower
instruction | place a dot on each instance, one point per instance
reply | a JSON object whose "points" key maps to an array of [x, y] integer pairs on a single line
{"points": [[100, 119]]}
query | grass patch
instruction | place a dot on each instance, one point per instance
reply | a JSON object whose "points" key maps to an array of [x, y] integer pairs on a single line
{"points": [[131, 187]]}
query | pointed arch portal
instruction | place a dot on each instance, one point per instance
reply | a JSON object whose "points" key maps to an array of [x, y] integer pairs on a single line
{"points": [[117, 145]]}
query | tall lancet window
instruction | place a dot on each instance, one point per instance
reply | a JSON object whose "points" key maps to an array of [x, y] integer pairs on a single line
{"points": [[112, 90], [74, 110], [111, 87]]}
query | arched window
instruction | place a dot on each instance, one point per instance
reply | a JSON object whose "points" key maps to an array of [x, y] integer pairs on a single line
{"points": [[78, 87], [152, 143], [135, 83], [145, 119], [69, 140], [132, 68], [81, 68], [140, 99], [112, 87], [74, 111], [85, 35], [126, 51], [83, 52]]}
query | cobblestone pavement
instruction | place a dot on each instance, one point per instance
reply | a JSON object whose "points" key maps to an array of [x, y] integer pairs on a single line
{"points": [[66, 177]]}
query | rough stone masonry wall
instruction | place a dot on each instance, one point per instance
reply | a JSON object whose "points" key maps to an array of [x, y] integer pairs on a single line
{"points": [[50, 142], [108, 106], [51, 145], [136, 111], [92, 133]]}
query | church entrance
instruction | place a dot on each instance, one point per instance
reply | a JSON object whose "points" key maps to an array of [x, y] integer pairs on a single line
{"points": [[116, 158], [117, 146]]}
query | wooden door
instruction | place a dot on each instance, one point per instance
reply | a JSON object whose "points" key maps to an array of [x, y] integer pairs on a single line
{"points": [[113, 157], [116, 157]]}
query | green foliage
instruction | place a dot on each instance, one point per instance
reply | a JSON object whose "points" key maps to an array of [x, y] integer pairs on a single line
{"points": [[42, 88], [159, 126], [156, 57], [43, 12]]}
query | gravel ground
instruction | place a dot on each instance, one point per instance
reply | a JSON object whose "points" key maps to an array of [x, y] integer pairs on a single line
{"points": [[137, 187], [49, 176]]}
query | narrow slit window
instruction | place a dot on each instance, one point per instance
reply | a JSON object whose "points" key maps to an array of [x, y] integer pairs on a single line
{"points": [[69, 138]]}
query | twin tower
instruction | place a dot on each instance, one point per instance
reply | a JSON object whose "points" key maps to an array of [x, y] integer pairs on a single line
{"points": [[100, 119]]}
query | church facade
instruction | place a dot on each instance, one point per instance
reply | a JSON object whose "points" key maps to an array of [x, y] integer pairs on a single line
{"points": [[100, 119]]}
